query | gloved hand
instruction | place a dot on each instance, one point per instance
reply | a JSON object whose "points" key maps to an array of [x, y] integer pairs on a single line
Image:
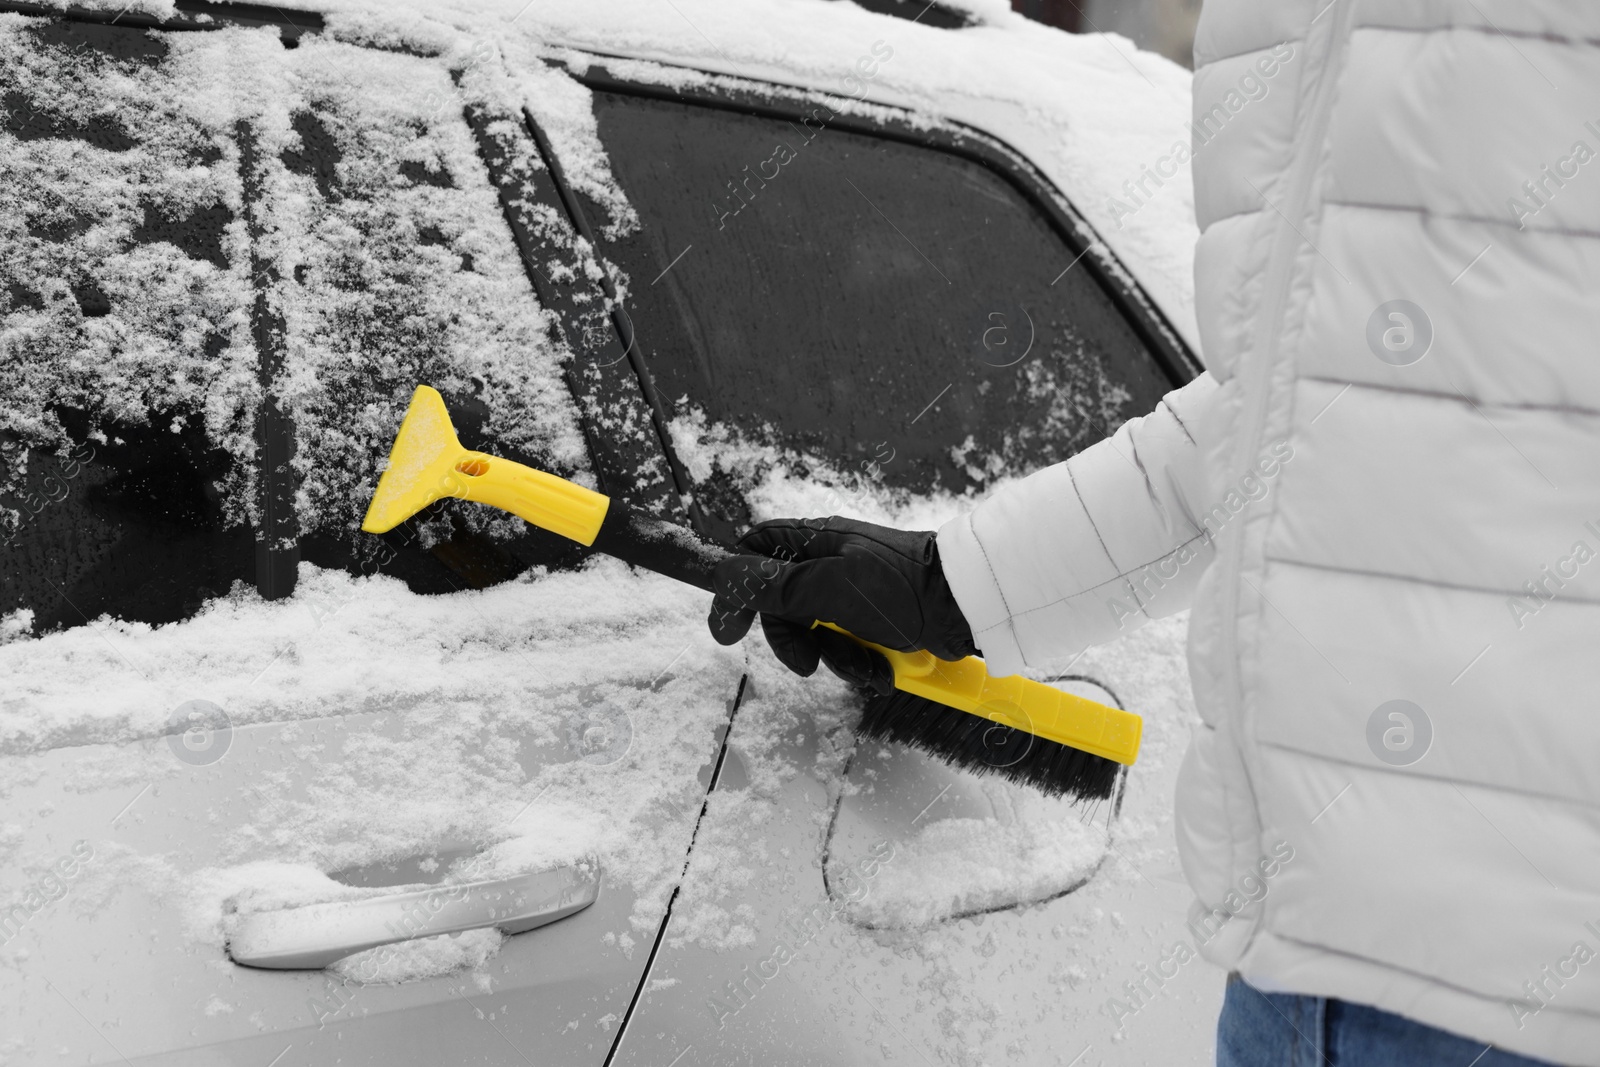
{"points": [[881, 584]]}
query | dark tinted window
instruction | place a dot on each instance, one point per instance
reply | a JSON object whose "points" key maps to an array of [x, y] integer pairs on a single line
{"points": [[117, 323], [820, 289]]}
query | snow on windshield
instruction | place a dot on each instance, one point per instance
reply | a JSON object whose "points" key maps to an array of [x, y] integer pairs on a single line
{"points": [[380, 248], [1090, 110], [98, 320], [401, 271]]}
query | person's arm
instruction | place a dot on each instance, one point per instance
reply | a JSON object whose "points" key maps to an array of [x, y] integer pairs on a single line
{"points": [[1046, 566], [1083, 550]]}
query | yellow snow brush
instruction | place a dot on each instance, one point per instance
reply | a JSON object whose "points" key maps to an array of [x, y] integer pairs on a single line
{"points": [[1024, 730]]}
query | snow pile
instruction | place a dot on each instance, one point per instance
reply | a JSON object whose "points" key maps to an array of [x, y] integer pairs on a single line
{"points": [[777, 481], [268, 886], [345, 644], [962, 866]]}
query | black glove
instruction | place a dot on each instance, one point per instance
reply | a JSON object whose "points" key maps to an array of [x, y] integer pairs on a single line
{"points": [[881, 584]]}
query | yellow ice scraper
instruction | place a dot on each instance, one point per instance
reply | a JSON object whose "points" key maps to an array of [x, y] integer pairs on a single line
{"points": [[1013, 726]]}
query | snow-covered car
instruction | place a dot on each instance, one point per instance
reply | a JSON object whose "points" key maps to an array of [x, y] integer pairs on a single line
{"points": [[280, 792]]}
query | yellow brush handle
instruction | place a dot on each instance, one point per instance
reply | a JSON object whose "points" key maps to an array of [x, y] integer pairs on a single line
{"points": [[1014, 701], [546, 500]]}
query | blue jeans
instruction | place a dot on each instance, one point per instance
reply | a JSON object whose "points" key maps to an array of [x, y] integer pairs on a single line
{"points": [[1259, 1029]]}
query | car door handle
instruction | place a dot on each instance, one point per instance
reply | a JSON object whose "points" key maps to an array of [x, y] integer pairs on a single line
{"points": [[314, 935]]}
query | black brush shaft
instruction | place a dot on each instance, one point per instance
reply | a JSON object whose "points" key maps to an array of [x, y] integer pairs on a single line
{"points": [[653, 544]]}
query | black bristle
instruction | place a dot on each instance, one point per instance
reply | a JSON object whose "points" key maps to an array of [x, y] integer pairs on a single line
{"points": [[975, 744]]}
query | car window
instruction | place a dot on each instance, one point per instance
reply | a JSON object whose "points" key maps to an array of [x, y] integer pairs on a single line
{"points": [[391, 264], [125, 428], [852, 296], [213, 311]]}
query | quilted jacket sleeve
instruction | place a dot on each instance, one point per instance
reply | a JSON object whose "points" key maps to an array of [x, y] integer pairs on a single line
{"points": [[1080, 551]]}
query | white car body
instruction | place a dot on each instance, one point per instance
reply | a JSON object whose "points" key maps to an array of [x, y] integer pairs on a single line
{"points": [[769, 893]]}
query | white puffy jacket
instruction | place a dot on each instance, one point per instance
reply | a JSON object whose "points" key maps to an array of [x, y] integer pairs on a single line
{"points": [[1353, 530]]}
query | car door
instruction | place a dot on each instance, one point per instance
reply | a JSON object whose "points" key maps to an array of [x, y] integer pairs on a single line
{"points": [[820, 295], [839, 309], [236, 247]]}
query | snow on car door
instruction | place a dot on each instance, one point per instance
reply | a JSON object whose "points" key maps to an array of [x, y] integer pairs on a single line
{"points": [[831, 297], [843, 312], [234, 254]]}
